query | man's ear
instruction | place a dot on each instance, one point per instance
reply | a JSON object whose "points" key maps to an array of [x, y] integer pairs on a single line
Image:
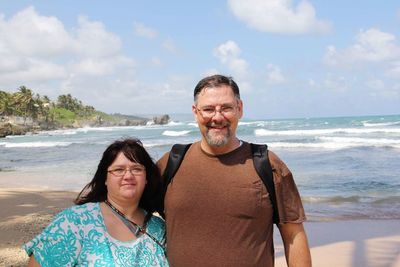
{"points": [[195, 111], [240, 108]]}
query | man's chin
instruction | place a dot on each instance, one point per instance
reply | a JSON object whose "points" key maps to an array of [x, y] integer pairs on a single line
{"points": [[217, 142]]}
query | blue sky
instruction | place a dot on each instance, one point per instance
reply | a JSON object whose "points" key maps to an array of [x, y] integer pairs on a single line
{"points": [[290, 58]]}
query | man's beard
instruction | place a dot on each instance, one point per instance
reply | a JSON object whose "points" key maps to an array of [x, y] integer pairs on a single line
{"points": [[219, 140]]}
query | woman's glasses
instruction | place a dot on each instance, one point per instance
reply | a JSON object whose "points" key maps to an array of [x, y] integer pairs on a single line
{"points": [[135, 171]]}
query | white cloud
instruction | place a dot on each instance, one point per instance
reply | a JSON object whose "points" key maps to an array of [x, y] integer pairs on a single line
{"points": [[35, 70], [144, 31], [371, 46], [210, 72], [274, 75], [279, 16], [36, 49], [375, 84], [101, 66], [312, 83], [394, 70], [388, 94], [229, 54], [156, 62], [336, 83], [27, 34], [94, 40], [170, 46]]}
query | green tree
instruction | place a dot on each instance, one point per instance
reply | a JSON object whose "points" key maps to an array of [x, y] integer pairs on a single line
{"points": [[6, 104], [24, 98], [70, 103]]}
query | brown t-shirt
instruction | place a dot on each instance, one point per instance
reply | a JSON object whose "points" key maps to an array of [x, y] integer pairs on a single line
{"points": [[218, 212]]}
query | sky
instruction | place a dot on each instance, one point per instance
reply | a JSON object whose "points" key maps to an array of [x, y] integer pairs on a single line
{"points": [[291, 59]]}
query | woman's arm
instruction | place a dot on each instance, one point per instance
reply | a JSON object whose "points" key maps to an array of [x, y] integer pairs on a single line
{"points": [[32, 262]]}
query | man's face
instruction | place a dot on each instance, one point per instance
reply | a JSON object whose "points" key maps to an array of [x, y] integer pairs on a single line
{"points": [[217, 112]]}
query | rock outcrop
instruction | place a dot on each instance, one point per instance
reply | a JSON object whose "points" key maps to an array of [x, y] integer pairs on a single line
{"points": [[163, 119]]}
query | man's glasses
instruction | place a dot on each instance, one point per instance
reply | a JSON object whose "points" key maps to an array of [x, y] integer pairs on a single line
{"points": [[208, 112], [135, 171]]}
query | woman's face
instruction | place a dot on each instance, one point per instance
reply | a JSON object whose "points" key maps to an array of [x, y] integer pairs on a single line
{"points": [[126, 180]]}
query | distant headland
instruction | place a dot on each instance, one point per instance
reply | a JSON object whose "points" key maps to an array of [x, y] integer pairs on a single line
{"points": [[25, 111]]}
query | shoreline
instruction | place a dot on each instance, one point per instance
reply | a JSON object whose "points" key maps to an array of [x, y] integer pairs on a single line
{"points": [[25, 212]]}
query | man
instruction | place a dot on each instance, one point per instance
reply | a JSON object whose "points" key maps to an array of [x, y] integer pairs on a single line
{"points": [[217, 209]]}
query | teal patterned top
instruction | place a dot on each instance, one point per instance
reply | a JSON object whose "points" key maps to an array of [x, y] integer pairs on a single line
{"points": [[78, 237]]}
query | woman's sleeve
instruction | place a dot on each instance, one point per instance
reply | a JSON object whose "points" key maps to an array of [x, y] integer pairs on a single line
{"points": [[59, 243]]}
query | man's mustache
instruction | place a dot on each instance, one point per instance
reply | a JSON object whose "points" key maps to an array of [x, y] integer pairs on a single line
{"points": [[222, 124]]}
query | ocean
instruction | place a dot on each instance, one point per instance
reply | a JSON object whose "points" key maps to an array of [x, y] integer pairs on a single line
{"points": [[344, 167]]}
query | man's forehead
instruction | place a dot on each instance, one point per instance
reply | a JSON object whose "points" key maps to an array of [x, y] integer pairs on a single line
{"points": [[213, 99], [215, 89]]}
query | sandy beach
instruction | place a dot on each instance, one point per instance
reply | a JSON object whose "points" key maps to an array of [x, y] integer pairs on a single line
{"points": [[367, 243]]}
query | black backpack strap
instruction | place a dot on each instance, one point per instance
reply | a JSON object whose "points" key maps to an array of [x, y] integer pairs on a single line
{"points": [[263, 167], [175, 159]]}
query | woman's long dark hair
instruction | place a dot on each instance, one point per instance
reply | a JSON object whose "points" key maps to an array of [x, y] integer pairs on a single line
{"points": [[96, 190]]}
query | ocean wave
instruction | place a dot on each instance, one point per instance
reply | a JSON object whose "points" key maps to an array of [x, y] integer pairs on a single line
{"points": [[256, 123], [14, 136], [352, 199], [174, 123], [380, 124], [35, 144], [175, 133], [264, 132], [388, 200], [330, 145], [193, 124], [363, 141], [332, 200]]}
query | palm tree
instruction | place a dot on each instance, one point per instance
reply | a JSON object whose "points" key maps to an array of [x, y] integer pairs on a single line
{"points": [[25, 100], [45, 108], [6, 107]]}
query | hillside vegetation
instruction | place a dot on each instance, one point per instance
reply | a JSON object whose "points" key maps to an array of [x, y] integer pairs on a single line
{"points": [[25, 111]]}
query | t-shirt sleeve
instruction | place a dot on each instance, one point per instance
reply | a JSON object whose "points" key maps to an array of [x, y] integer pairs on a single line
{"points": [[58, 244], [288, 199], [162, 162]]}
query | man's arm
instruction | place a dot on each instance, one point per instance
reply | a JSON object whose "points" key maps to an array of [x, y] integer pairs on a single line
{"points": [[294, 238]]}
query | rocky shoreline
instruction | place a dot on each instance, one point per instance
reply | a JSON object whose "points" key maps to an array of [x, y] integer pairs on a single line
{"points": [[18, 126]]}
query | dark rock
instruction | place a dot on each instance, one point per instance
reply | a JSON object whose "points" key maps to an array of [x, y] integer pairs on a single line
{"points": [[12, 129], [163, 119]]}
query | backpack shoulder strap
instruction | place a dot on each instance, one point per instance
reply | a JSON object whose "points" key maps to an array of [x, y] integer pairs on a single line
{"points": [[175, 158], [263, 167]]}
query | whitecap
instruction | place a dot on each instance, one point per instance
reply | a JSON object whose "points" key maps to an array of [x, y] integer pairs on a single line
{"points": [[175, 133], [264, 132], [37, 144]]}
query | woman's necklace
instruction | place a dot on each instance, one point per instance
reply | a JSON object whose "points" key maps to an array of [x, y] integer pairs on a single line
{"points": [[134, 227]]}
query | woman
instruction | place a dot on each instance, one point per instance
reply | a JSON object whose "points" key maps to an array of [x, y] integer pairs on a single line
{"points": [[112, 223]]}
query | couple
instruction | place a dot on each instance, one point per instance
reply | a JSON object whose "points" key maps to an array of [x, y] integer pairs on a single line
{"points": [[217, 209]]}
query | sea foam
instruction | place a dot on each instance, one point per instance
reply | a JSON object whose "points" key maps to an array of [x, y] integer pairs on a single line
{"points": [[175, 133]]}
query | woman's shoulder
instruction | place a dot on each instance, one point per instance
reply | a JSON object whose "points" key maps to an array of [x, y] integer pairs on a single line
{"points": [[155, 219], [84, 208], [77, 213], [156, 224]]}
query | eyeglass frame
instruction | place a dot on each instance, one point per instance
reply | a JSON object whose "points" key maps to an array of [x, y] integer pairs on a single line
{"points": [[214, 111], [130, 169]]}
